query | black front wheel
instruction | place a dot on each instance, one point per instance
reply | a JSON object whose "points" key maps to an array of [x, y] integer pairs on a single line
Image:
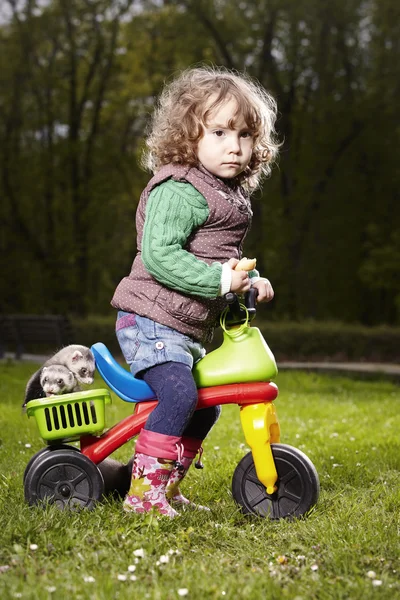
{"points": [[297, 485], [64, 477]]}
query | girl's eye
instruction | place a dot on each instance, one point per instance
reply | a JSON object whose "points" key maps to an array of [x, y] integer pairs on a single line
{"points": [[246, 134], [219, 133]]}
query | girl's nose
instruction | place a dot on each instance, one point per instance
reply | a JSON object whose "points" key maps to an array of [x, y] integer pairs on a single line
{"points": [[234, 144]]}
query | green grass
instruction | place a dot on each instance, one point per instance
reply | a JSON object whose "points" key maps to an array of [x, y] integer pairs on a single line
{"points": [[350, 430]]}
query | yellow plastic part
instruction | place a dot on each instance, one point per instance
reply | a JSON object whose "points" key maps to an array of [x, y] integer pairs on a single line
{"points": [[261, 428]]}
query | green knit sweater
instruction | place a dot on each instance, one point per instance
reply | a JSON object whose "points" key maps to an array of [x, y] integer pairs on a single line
{"points": [[174, 210]]}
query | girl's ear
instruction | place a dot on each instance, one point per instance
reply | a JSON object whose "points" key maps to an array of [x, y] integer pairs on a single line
{"points": [[77, 355]]}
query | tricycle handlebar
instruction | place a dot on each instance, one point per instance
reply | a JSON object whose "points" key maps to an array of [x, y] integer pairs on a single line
{"points": [[237, 314]]}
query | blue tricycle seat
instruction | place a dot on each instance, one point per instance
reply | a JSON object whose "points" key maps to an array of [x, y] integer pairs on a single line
{"points": [[123, 383]]}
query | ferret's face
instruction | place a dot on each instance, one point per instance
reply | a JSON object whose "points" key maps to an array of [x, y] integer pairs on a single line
{"points": [[82, 367], [85, 375], [56, 381]]}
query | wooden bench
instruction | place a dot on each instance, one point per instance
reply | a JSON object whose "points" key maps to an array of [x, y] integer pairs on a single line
{"points": [[22, 334]]}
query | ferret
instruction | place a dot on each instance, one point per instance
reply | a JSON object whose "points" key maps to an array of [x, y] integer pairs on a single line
{"points": [[78, 359], [57, 379]]}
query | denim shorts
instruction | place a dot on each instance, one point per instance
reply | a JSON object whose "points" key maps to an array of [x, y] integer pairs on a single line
{"points": [[146, 343]]}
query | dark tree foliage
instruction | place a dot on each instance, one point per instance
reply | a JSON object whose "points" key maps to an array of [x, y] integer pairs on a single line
{"points": [[78, 81]]}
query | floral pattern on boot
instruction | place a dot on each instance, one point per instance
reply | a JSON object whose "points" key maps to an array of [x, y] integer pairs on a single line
{"points": [[149, 479], [173, 492]]}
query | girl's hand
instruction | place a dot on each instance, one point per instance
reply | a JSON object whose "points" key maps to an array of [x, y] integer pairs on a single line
{"points": [[232, 262], [240, 279], [265, 290]]}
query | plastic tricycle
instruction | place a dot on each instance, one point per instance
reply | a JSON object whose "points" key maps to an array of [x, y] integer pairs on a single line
{"points": [[273, 480]]}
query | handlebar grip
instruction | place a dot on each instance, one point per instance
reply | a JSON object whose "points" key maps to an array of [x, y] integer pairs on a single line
{"points": [[250, 300], [230, 297]]}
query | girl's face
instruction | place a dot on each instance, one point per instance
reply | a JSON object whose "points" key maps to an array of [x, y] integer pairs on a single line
{"points": [[226, 147]]}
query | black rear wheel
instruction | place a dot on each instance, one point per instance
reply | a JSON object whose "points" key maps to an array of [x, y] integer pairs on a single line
{"points": [[297, 485], [116, 476], [49, 448], [64, 477]]}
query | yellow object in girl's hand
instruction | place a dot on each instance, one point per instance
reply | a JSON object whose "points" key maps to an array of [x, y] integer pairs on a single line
{"points": [[246, 264]]}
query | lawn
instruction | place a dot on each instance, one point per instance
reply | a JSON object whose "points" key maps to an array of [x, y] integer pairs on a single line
{"points": [[347, 548]]}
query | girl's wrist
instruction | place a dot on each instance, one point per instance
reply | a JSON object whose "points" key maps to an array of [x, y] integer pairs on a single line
{"points": [[226, 280], [256, 278]]}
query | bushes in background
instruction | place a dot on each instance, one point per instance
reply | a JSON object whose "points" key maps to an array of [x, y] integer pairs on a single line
{"points": [[332, 341], [288, 340]]}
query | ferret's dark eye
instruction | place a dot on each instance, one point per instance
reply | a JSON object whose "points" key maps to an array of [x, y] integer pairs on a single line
{"points": [[83, 371], [45, 380], [60, 381]]}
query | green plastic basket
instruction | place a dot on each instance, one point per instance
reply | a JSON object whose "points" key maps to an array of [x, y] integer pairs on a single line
{"points": [[71, 415]]}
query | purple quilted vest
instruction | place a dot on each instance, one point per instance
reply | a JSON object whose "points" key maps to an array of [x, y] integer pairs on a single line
{"points": [[219, 239]]}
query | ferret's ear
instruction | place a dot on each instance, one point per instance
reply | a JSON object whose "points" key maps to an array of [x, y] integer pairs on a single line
{"points": [[77, 355], [44, 369]]}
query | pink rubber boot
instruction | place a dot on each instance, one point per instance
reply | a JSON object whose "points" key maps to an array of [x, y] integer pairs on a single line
{"points": [[189, 448], [150, 473]]}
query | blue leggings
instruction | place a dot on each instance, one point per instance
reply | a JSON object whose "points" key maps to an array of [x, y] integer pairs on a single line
{"points": [[175, 412]]}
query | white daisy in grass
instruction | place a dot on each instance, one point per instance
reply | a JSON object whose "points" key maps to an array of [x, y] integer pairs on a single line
{"points": [[164, 558]]}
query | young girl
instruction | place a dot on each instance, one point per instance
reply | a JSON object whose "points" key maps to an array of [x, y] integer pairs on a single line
{"points": [[211, 141]]}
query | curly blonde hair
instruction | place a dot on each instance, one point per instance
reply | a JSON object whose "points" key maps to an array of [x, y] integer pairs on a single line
{"points": [[184, 107]]}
